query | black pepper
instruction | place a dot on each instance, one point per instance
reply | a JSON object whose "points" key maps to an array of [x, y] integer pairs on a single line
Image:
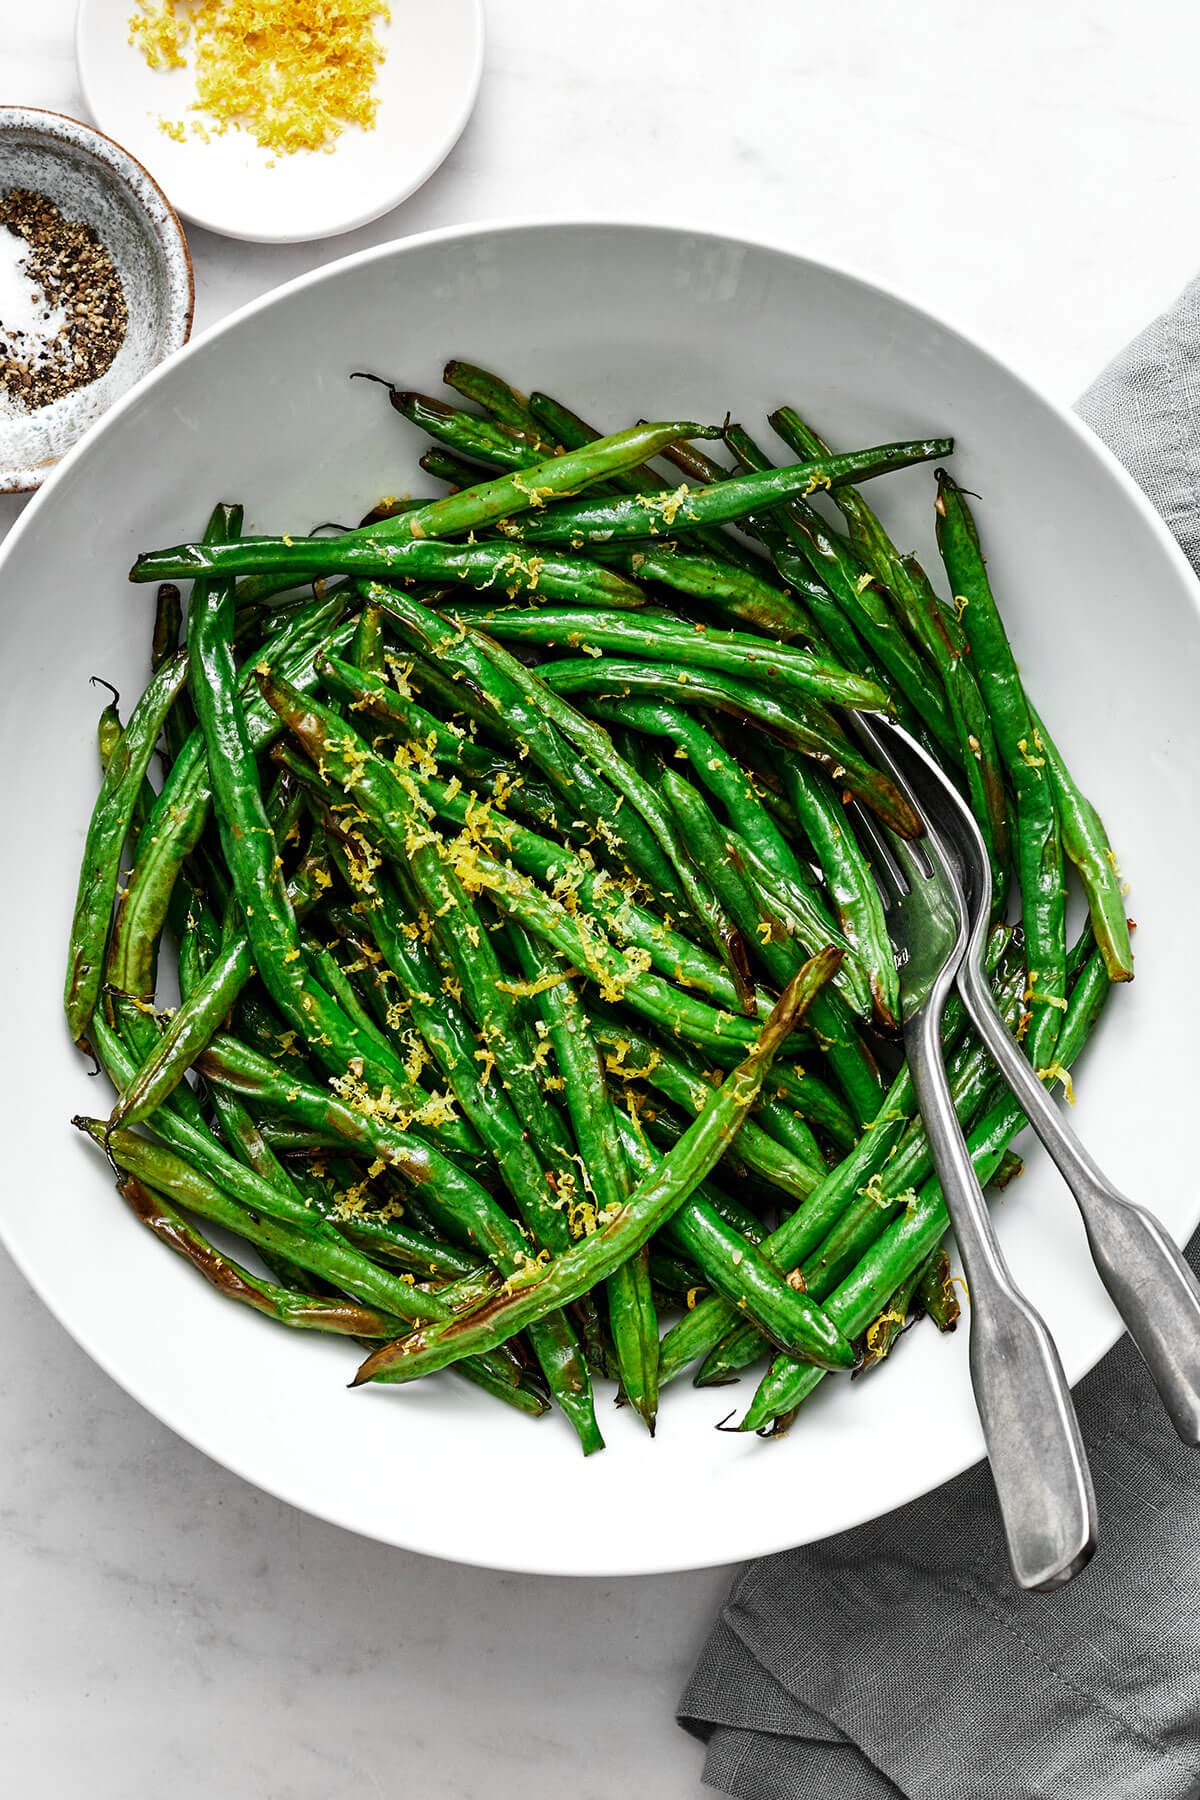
{"points": [[68, 264]]}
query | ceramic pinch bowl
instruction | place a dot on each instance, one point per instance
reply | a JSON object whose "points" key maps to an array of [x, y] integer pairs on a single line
{"points": [[92, 180]]}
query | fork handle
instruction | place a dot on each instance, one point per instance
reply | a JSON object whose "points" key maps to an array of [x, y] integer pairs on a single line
{"points": [[1029, 1424], [1147, 1278]]}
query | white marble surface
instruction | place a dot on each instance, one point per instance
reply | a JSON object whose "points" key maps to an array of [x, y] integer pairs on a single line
{"points": [[1029, 176]]}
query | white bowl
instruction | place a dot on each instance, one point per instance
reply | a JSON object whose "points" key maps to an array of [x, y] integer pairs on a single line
{"points": [[426, 87], [620, 321]]}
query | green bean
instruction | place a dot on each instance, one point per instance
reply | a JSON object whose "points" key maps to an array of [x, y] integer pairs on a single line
{"points": [[726, 1258], [782, 1167], [107, 831], [393, 812], [443, 465], [192, 1027], [633, 1323], [802, 724], [370, 693], [665, 1125], [922, 1225], [935, 1290], [857, 1077], [572, 431], [621, 977], [367, 650], [854, 590], [326, 969], [879, 1338], [203, 1010], [604, 897], [481, 565], [457, 1194], [655, 1198], [199, 942], [728, 588], [640, 516], [252, 856], [824, 623], [527, 725], [394, 1066], [496, 443], [532, 486], [495, 395], [108, 729], [168, 623], [382, 1235], [866, 1214], [1007, 1169], [653, 634], [143, 909], [381, 1134], [972, 1079], [392, 1240], [188, 1133], [797, 1236], [595, 744], [246, 1141], [673, 1280], [1086, 843], [229, 1194], [848, 879], [388, 1238], [456, 1051], [166, 1173], [725, 1206], [758, 837], [344, 1317], [1038, 832], [942, 638], [792, 910], [670, 953], [176, 824]]}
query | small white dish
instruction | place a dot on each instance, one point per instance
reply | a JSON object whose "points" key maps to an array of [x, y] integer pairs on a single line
{"points": [[94, 181], [426, 88]]}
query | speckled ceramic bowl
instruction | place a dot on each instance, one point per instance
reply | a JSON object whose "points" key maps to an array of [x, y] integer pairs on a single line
{"points": [[90, 178]]}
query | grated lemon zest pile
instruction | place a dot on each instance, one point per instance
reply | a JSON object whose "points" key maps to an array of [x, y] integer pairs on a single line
{"points": [[293, 73]]}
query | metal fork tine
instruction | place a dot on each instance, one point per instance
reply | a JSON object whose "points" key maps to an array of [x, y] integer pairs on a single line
{"points": [[890, 877]]}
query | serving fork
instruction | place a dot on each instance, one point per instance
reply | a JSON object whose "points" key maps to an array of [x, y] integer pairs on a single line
{"points": [[940, 892], [1032, 1435], [1146, 1276]]}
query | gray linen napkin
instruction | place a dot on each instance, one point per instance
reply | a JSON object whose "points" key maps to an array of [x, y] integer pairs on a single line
{"points": [[898, 1661]]}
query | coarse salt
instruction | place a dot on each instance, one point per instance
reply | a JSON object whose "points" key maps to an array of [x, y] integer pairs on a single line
{"points": [[28, 321]]}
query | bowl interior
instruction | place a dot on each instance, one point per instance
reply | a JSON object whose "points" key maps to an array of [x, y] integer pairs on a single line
{"points": [[620, 322], [87, 182]]}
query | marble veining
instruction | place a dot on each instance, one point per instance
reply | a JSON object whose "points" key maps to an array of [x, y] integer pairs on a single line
{"points": [[170, 1630]]}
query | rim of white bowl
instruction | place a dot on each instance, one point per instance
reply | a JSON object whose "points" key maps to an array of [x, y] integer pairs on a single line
{"points": [[131, 1384], [353, 222]]}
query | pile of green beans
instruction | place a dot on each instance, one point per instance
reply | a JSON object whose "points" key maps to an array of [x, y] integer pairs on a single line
{"points": [[537, 1016]]}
